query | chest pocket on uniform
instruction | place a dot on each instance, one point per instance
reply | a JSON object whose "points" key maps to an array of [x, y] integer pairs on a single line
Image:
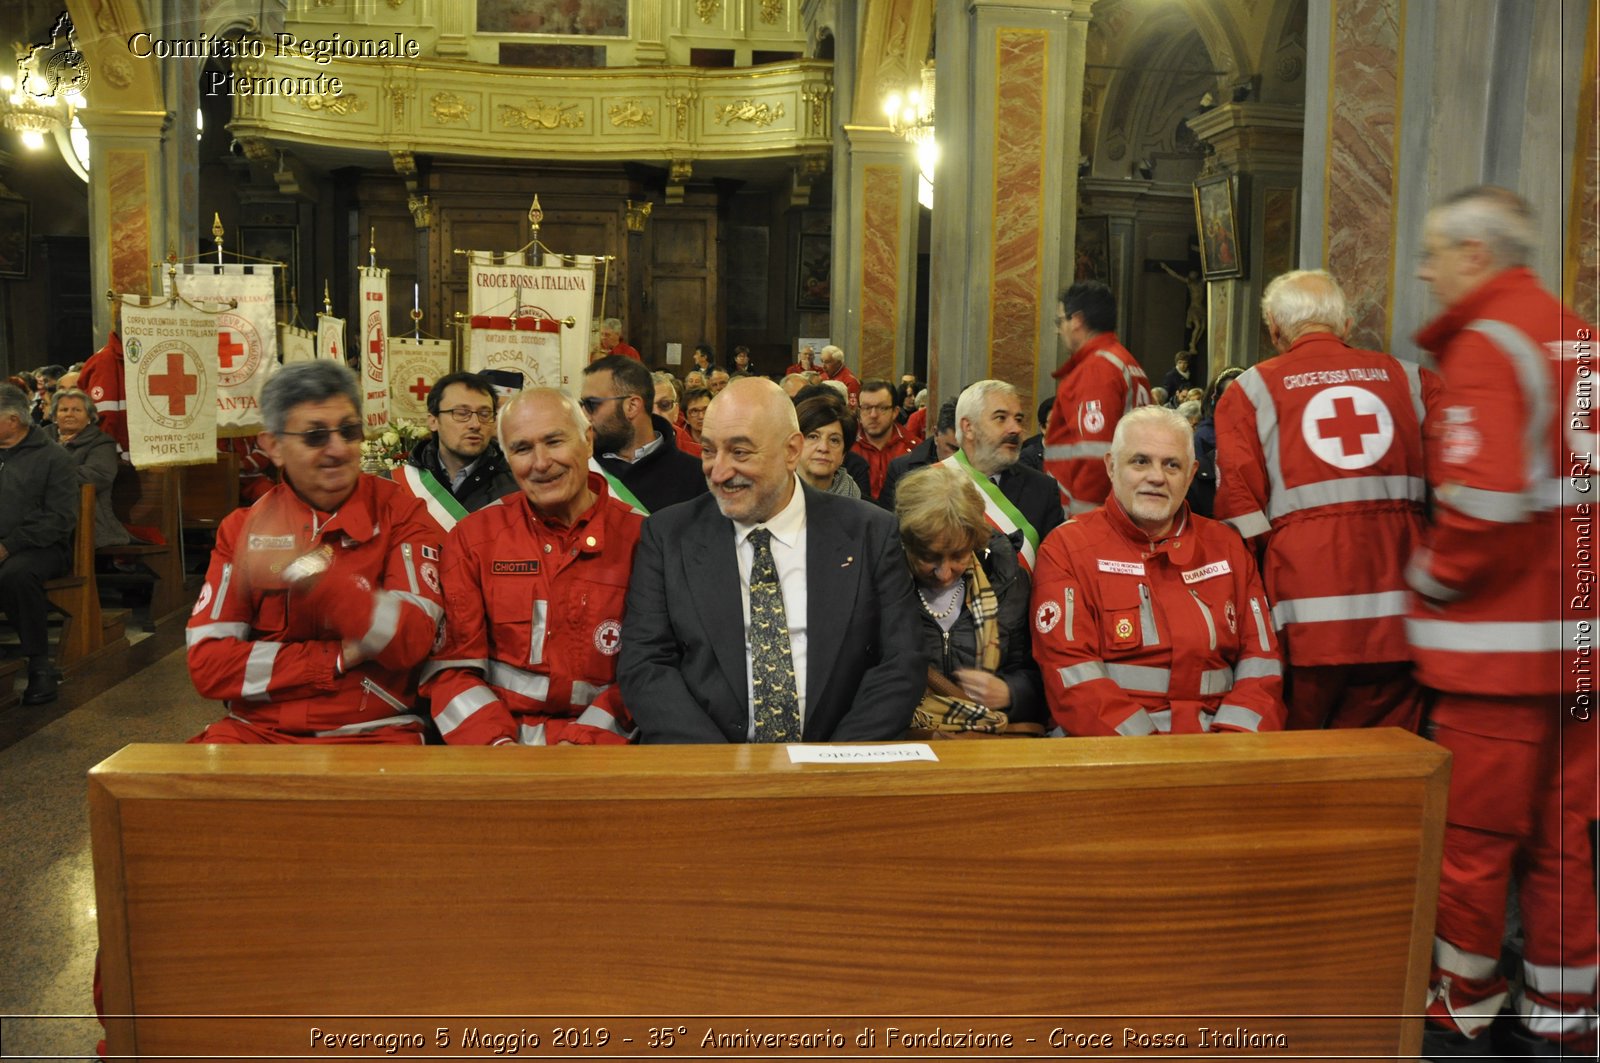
{"points": [[1128, 619], [519, 616]]}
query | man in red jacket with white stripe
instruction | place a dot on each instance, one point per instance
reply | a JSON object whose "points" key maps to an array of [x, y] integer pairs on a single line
{"points": [[1098, 383], [535, 584], [1320, 468], [323, 597], [1504, 631]]}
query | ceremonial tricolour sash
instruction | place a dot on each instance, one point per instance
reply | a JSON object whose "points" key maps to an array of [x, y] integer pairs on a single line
{"points": [[998, 509], [441, 504], [618, 490]]}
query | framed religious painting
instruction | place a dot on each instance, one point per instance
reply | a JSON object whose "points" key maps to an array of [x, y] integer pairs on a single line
{"points": [[13, 239], [1216, 215], [815, 271]]}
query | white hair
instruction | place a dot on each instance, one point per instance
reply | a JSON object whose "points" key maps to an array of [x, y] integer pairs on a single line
{"points": [[970, 405], [1190, 410], [1304, 297], [831, 353], [922, 399], [838, 385], [1153, 417], [1498, 217], [612, 324], [580, 420]]}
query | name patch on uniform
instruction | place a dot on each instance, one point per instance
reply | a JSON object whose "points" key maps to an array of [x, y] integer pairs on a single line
{"points": [[271, 542], [1122, 568], [516, 568], [1195, 575]]}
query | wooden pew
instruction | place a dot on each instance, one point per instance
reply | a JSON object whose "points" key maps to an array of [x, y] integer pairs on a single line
{"points": [[76, 595], [210, 492], [150, 497], [1281, 883]]}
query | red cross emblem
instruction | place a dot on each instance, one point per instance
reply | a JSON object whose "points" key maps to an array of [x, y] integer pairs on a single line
{"points": [[420, 389], [227, 349], [1347, 426], [608, 637], [176, 385]]}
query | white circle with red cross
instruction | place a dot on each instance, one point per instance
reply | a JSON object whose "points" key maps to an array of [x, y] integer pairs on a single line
{"points": [[608, 637], [238, 349], [171, 384], [1347, 427]]}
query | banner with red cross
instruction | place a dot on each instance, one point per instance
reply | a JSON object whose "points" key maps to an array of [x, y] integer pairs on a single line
{"points": [[330, 338], [527, 345], [297, 344], [373, 329], [505, 286], [170, 357], [247, 336], [414, 364]]}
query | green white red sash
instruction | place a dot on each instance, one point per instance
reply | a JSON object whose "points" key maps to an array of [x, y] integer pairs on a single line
{"points": [[617, 490], [441, 504], [998, 510]]}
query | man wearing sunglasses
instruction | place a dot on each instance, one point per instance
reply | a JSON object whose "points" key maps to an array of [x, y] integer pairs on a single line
{"points": [[635, 449], [324, 596], [461, 469]]}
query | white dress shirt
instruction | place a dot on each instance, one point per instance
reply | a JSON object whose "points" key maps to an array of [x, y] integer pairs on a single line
{"points": [[788, 544]]}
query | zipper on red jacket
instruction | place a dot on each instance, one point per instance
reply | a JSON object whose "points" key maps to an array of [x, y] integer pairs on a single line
{"points": [[1261, 626], [1147, 618], [1211, 625]]}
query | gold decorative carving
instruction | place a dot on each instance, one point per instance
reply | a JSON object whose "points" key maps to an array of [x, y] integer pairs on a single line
{"points": [[405, 163], [631, 114], [257, 149], [818, 96], [448, 107], [119, 72], [680, 110], [421, 211], [680, 170], [771, 11], [747, 110], [398, 95], [396, 5], [707, 9], [333, 104], [541, 115]]}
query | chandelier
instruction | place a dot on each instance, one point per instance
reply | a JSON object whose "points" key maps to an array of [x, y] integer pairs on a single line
{"points": [[910, 116]]}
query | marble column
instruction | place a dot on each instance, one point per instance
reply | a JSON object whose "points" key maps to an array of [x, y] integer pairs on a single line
{"points": [[130, 210], [1261, 143], [1008, 116], [881, 264], [1425, 97], [1581, 269]]}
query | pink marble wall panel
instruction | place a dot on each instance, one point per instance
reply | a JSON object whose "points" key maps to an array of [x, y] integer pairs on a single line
{"points": [[1364, 86], [1018, 206], [880, 269], [128, 193], [1583, 230]]}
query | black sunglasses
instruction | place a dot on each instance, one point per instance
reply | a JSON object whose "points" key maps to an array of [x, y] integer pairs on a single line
{"points": [[317, 438]]}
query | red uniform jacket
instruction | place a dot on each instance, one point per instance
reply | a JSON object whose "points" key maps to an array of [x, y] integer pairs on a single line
{"points": [[1320, 467], [1506, 598], [1136, 637], [848, 379], [273, 654], [626, 351], [1097, 385], [878, 458], [103, 380], [916, 425], [535, 624]]}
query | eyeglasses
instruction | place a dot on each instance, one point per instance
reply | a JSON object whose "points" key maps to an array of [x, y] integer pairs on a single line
{"points": [[594, 402], [463, 414], [875, 409], [663, 405], [317, 438]]}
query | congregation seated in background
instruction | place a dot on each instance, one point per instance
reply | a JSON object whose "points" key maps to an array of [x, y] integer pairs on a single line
{"points": [[74, 425], [973, 619]]}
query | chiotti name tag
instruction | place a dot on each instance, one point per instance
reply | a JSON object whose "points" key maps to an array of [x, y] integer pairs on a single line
{"points": [[821, 754]]}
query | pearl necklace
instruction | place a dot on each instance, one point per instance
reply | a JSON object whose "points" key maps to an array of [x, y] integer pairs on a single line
{"points": [[955, 601]]}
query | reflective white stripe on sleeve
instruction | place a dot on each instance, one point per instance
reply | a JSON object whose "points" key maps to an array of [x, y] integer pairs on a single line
{"points": [[1237, 716], [585, 693], [1250, 525], [371, 725], [1497, 507], [503, 675], [434, 610], [434, 667], [1545, 1021], [1257, 668], [102, 405], [600, 718], [1137, 724], [1215, 681], [531, 735], [541, 611], [1074, 451], [463, 705], [225, 630], [1140, 677], [1162, 719], [1075, 506], [1419, 579], [1530, 361], [1538, 636], [1466, 964], [385, 621], [1355, 489], [1081, 673], [1554, 980], [1336, 607], [258, 671]]}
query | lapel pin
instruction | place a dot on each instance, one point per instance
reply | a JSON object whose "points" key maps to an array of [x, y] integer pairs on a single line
{"points": [[848, 561]]}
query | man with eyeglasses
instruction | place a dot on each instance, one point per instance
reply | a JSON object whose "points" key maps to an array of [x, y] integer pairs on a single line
{"points": [[669, 407], [635, 449], [461, 469], [324, 596], [881, 439]]}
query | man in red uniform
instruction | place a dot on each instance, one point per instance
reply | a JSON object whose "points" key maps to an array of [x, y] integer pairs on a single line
{"points": [[833, 368], [1148, 618], [611, 341], [881, 439], [1097, 384], [323, 597], [103, 379], [1505, 634], [535, 586], [1318, 449]]}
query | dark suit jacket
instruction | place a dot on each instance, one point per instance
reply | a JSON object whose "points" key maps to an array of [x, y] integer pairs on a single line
{"points": [[682, 666], [1036, 495]]}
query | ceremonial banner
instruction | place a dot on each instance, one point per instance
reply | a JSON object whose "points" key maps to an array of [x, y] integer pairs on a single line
{"points": [[530, 346], [170, 357], [413, 367], [247, 335], [374, 349], [552, 291], [297, 344], [330, 338]]}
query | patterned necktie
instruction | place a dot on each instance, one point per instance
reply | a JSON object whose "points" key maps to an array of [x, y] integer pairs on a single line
{"points": [[777, 709]]}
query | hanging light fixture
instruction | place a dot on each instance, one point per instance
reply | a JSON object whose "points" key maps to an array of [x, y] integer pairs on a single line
{"points": [[40, 99], [910, 116]]}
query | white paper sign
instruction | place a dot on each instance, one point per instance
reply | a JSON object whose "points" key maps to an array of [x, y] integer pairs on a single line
{"points": [[674, 354], [828, 754]]}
